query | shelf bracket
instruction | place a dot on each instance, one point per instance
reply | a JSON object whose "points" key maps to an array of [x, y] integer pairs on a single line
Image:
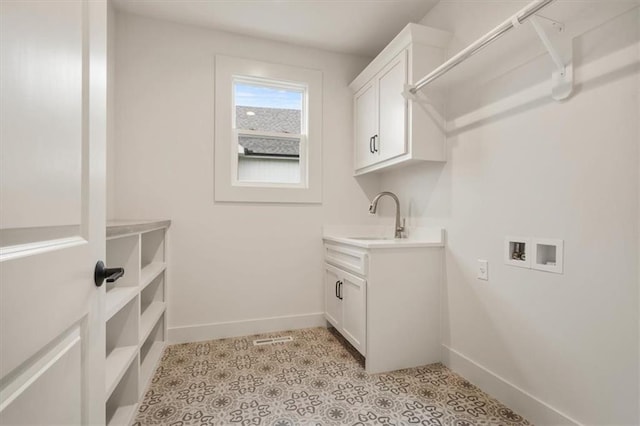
{"points": [[561, 53], [418, 97]]}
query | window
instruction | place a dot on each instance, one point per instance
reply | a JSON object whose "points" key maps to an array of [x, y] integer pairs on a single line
{"points": [[268, 132], [270, 126]]}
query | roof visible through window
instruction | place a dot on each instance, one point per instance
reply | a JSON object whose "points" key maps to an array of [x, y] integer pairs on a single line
{"points": [[272, 112]]}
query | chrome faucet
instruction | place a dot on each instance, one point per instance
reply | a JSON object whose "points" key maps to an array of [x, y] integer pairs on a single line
{"points": [[374, 205]]}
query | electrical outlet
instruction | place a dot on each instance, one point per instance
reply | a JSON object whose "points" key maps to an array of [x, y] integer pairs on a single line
{"points": [[483, 270]]}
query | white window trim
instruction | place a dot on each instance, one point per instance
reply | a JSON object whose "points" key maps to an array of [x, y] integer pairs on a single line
{"points": [[226, 186]]}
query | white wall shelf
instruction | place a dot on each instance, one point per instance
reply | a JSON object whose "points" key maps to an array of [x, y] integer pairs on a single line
{"points": [[134, 313], [563, 20]]}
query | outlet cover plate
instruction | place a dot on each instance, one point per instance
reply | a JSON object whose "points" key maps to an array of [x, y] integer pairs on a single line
{"points": [[483, 270]]}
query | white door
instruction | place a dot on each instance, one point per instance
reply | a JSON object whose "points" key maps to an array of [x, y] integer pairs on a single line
{"points": [[52, 216], [366, 127], [332, 305], [354, 310], [392, 140]]}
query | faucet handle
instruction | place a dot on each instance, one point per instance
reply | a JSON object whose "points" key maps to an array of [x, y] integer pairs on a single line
{"points": [[401, 230]]}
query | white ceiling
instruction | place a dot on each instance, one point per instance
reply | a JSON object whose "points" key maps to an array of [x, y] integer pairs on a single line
{"points": [[361, 27]]}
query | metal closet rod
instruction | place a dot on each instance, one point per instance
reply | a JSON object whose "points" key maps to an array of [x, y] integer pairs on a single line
{"points": [[528, 11]]}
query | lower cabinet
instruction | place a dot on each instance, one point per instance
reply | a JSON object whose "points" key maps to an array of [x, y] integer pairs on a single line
{"points": [[345, 305], [385, 301]]}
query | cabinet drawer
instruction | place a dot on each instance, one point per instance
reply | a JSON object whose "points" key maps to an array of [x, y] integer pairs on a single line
{"points": [[349, 259]]}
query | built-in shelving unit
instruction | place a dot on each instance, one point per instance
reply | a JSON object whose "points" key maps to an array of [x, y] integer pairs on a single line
{"points": [[135, 313]]}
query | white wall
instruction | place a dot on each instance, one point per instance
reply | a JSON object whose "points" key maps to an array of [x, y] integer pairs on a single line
{"points": [[228, 262], [562, 170], [540, 168]]}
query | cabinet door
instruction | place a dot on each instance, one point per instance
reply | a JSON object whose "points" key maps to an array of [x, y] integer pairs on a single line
{"points": [[354, 310], [391, 141], [365, 114], [332, 304]]}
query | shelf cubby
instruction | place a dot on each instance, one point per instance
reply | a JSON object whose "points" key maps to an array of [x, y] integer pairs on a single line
{"points": [[124, 252], [151, 272], [149, 318], [151, 352], [152, 293], [152, 247], [121, 343], [117, 298], [122, 403]]}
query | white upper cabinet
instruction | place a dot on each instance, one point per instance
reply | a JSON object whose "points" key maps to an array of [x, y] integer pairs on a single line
{"points": [[391, 140], [366, 107], [389, 130]]}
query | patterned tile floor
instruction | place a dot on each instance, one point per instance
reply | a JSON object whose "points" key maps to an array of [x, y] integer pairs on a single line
{"points": [[313, 380]]}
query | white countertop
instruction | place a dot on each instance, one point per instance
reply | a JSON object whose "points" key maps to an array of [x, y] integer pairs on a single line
{"points": [[123, 227], [376, 237]]}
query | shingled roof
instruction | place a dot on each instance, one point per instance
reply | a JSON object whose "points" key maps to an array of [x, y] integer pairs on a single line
{"points": [[272, 147], [269, 120]]}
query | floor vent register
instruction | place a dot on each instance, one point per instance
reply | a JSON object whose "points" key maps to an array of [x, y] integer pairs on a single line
{"points": [[272, 340]]}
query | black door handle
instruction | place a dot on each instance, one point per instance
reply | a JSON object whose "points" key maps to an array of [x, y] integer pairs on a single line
{"points": [[338, 297], [340, 290], [102, 273], [374, 143], [371, 144]]}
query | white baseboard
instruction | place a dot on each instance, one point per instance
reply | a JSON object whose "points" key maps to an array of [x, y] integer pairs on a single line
{"points": [[221, 330], [520, 401]]}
